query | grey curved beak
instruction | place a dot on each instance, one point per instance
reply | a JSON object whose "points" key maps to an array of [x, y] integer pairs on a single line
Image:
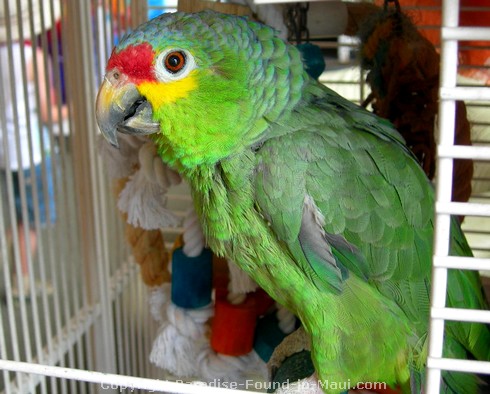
{"points": [[115, 104]]}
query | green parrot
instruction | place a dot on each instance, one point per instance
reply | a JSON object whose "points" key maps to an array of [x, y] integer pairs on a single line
{"points": [[317, 199]]}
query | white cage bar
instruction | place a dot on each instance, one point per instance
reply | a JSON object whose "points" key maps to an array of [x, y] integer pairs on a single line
{"points": [[451, 33], [93, 320]]}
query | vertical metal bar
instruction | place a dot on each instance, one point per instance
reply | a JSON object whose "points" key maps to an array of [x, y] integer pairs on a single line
{"points": [[47, 17], [80, 278], [3, 353], [119, 18], [5, 260], [119, 336], [126, 325], [109, 20], [90, 179], [38, 60], [4, 241], [140, 317], [145, 329], [40, 243], [100, 40], [60, 276], [22, 303], [132, 332], [85, 268], [447, 111]]}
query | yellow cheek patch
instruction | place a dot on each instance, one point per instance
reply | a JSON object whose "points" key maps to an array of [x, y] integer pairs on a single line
{"points": [[161, 93]]}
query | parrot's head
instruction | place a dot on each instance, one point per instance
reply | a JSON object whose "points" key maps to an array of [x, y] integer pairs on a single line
{"points": [[204, 85]]}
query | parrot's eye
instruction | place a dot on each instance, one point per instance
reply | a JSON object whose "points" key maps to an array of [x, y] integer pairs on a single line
{"points": [[174, 64], [175, 61]]}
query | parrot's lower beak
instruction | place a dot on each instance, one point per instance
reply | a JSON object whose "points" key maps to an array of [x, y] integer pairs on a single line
{"points": [[121, 108]]}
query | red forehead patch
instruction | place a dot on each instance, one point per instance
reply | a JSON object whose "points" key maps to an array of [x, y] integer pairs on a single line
{"points": [[136, 61]]}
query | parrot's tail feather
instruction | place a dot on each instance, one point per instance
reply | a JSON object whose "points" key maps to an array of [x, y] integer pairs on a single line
{"points": [[460, 383], [481, 348]]}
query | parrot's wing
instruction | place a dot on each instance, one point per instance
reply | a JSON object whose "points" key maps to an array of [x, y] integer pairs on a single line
{"points": [[371, 189], [282, 197], [372, 204]]}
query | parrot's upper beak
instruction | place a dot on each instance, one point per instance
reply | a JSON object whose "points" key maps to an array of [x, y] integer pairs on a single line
{"points": [[120, 107]]}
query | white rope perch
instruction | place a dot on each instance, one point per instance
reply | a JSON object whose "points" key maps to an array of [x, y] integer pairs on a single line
{"points": [[120, 163], [144, 196], [180, 339], [240, 282], [193, 237], [158, 298], [231, 369], [154, 168], [182, 345]]}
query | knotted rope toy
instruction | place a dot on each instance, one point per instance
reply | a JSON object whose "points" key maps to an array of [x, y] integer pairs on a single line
{"points": [[215, 325], [144, 237]]}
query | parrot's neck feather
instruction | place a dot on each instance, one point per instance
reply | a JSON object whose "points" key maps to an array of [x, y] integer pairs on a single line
{"points": [[224, 198]]}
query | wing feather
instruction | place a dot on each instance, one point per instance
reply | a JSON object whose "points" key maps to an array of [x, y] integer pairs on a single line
{"points": [[356, 202]]}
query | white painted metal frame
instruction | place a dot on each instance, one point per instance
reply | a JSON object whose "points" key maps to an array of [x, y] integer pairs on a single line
{"points": [[94, 328], [451, 33]]}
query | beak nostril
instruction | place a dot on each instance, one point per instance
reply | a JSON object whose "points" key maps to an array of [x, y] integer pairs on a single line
{"points": [[114, 77]]}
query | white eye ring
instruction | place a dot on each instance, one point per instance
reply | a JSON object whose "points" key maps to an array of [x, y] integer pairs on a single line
{"points": [[174, 64]]}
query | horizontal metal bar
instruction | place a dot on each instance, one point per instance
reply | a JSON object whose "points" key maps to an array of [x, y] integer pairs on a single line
{"points": [[459, 314], [107, 380], [465, 263], [465, 93], [462, 208], [448, 364], [464, 152], [465, 33]]}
